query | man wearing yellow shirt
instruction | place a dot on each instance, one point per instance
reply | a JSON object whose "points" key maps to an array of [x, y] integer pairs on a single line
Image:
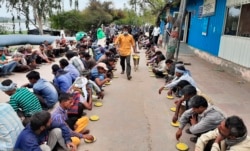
{"points": [[124, 43]]}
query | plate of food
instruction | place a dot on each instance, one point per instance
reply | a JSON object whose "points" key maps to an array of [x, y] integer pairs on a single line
{"points": [[170, 97], [176, 124], [182, 146], [98, 104], [94, 118], [90, 141]]}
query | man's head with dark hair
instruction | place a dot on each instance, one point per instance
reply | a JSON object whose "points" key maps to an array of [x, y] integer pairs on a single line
{"points": [[199, 104], [70, 54], [6, 82], [63, 63], [33, 76], [8, 87], [169, 61], [55, 68], [189, 90], [40, 121], [182, 84], [235, 127], [66, 100]]}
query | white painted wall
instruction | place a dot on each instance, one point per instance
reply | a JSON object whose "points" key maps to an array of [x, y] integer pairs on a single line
{"points": [[235, 49]]}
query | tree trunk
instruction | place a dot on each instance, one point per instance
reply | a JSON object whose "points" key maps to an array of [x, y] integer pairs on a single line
{"points": [[40, 24]]}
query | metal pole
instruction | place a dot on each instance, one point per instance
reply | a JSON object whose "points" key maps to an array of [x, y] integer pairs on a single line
{"points": [[181, 12]]}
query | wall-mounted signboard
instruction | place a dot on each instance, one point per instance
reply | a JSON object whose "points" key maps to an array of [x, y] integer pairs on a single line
{"points": [[208, 7]]}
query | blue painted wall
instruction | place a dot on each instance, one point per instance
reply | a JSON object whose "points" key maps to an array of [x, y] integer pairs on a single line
{"points": [[211, 42]]}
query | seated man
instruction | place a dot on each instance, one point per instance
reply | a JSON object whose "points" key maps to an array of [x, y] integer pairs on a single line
{"points": [[98, 74], [188, 92], [75, 60], [180, 74], [202, 117], [42, 134], [62, 80], [66, 102], [160, 68], [6, 66], [11, 127], [231, 135], [44, 90], [110, 63], [66, 66], [24, 102]]}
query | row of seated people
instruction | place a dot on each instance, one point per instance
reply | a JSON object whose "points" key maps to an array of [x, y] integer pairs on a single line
{"points": [[212, 129], [77, 78]]}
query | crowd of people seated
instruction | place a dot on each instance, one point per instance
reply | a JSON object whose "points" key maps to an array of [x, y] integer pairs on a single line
{"points": [[47, 113], [211, 128], [28, 122]]}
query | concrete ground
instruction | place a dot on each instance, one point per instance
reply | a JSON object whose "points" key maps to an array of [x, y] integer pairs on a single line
{"points": [[134, 117]]}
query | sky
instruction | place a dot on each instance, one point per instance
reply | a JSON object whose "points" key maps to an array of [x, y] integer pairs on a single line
{"points": [[82, 5]]}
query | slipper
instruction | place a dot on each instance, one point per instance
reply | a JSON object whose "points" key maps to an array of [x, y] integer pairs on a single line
{"points": [[94, 118], [173, 109], [170, 97], [90, 141], [182, 146], [176, 124], [98, 104]]}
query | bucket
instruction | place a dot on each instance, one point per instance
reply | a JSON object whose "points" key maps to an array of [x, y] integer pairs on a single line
{"points": [[136, 59]]}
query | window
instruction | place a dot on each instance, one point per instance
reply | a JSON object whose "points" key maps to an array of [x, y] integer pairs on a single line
{"points": [[238, 21], [233, 15], [244, 28]]}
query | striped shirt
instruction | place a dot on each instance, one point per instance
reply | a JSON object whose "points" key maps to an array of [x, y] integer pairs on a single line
{"points": [[10, 127], [26, 101]]}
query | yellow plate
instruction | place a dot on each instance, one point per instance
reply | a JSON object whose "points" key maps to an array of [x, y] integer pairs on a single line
{"points": [[182, 146], [170, 97], [173, 109], [94, 118], [90, 141], [150, 70], [152, 75], [107, 83], [98, 104], [115, 77], [177, 124]]}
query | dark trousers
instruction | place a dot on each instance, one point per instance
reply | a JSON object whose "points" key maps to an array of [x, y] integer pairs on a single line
{"points": [[122, 62]]}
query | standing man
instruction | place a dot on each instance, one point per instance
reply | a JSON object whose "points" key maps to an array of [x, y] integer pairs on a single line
{"points": [[123, 43]]}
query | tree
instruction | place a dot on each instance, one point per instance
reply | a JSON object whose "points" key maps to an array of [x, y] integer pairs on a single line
{"points": [[70, 21], [40, 9]]}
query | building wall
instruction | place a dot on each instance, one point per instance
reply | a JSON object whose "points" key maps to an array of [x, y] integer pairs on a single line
{"points": [[236, 48], [211, 42]]}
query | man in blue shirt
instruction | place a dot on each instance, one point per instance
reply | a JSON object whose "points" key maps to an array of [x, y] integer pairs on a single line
{"points": [[43, 89], [42, 134], [66, 66], [62, 80], [98, 74]]}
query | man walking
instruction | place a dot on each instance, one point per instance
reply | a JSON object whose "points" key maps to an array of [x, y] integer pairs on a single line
{"points": [[123, 43]]}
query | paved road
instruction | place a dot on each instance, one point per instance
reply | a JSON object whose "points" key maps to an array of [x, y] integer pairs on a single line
{"points": [[134, 117]]}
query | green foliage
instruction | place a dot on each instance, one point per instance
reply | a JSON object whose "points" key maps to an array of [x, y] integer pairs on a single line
{"points": [[71, 21], [96, 13]]}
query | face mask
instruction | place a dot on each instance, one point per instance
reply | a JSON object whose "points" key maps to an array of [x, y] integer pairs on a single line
{"points": [[125, 32]]}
